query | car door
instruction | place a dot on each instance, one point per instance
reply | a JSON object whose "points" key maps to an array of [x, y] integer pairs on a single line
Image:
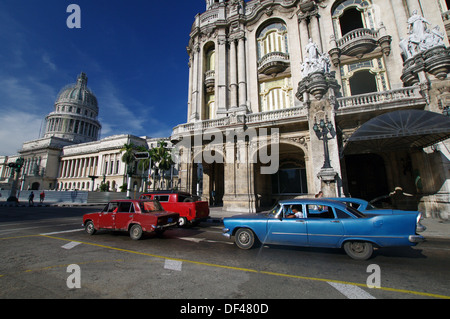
{"points": [[324, 229], [107, 216], [286, 231], [124, 215]]}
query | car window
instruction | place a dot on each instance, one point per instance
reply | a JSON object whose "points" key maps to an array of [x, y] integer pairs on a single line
{"points": [[126, 207], [150, 206], [341, 214], [319, 211], [356, 212], [162, 198], [113, 207]]}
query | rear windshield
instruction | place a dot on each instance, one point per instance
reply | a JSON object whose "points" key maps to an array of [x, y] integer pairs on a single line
{"points": [[355, 212], [150, 206]]}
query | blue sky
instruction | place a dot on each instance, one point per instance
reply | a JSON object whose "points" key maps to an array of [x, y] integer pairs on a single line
{"points": [[133, 52]]}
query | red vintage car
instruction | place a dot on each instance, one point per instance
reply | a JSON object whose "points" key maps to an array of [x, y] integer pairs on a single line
{"points": [[134, 216], [191, 210]]}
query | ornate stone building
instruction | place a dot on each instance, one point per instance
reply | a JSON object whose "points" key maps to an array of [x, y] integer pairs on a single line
{"points": [[345, 96]]}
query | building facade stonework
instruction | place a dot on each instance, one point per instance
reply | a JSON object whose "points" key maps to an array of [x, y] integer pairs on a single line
{"points": [[319, 77]]}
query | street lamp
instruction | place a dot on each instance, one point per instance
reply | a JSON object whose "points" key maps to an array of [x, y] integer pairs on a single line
{"points": [[322, 129], [446, 111]]}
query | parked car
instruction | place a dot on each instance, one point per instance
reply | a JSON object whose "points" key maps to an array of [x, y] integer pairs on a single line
{"points": [[191, 210], [323, 223], [368, 209], [134, 216]]}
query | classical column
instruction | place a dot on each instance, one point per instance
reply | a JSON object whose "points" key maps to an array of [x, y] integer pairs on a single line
{"points": [[233, 75], [242, 73]]}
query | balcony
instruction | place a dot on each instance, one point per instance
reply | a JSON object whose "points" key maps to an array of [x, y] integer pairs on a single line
{"points": [[210, 80], [359, 42], [408, 97], [273, 62]]}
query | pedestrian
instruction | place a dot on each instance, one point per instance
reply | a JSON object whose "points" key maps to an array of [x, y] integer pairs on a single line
{"points": [[30, 199], [42, 197]]}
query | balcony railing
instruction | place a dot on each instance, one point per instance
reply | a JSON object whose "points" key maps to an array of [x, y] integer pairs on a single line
{"points": [[273, 62], [398, 98]]}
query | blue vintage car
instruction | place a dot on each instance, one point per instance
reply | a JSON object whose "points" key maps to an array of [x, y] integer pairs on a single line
{"points": [[323, 223], [369, 210]]}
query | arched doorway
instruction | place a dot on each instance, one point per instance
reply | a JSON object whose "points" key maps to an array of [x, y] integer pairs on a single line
{"points": [[288, 182]]}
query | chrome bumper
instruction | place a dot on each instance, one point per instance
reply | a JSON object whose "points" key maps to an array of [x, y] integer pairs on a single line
{"points": [[416, 239], [225, 233]]}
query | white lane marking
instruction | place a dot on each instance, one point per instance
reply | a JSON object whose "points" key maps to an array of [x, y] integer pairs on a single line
{"points": [[23, 228], [71, 245], [351, 291], [198, 240], [62, 232], [173, 264]]}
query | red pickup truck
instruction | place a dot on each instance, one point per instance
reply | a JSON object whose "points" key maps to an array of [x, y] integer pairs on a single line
{"points": [[191, 211], [134, 216]]}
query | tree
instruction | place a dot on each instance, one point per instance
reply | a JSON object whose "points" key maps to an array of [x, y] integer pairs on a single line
{"points": [[161, 157], [128, 158]]}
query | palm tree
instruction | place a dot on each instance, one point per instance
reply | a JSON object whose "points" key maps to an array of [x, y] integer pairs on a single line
{"points": [[161, 157], [128, 158]]}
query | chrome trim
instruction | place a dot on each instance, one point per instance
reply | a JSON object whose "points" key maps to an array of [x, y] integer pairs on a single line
{"points": [[416, 238]]}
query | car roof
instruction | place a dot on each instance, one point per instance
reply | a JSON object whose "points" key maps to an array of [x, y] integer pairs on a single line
{"points": [[131, 200], [349, 199], [314, 201]]}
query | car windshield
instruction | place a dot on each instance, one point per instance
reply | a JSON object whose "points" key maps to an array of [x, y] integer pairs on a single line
{"points": [[150, 206], [274, 210]]}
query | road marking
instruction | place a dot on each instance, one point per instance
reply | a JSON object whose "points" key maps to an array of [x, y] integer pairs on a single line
{"points": [[71, 245], [173, 264], [62, 232], [198, 240], [351, 291], [424, 294]]}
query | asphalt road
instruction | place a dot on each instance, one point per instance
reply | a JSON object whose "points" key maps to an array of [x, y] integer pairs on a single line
{"points": [[44, 253]]}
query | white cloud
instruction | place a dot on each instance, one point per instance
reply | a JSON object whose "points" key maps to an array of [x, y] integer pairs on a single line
{"points": [[17, 128]]}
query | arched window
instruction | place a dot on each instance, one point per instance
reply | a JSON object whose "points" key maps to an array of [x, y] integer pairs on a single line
{"points": [[349, 15], [276, 94], [364, 76], [363, 82], [272, 38]]}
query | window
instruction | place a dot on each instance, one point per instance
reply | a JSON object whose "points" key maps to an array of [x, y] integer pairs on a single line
{"points": [[126, 207], [276, 94], [162, 198], [364, 76], [349, 15], [272, 38]]}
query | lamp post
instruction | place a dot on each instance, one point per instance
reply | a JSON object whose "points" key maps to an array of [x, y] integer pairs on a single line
{"points": [[322, 129]]}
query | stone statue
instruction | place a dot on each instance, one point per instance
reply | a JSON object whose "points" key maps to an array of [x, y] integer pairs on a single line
{"points": [[315, 61], [420, 37]]}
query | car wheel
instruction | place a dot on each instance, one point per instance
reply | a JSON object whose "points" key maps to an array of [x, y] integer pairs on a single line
{"points": [[244, 238], [182, 222], [136, 232], [358, 250], [89, 228]]}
